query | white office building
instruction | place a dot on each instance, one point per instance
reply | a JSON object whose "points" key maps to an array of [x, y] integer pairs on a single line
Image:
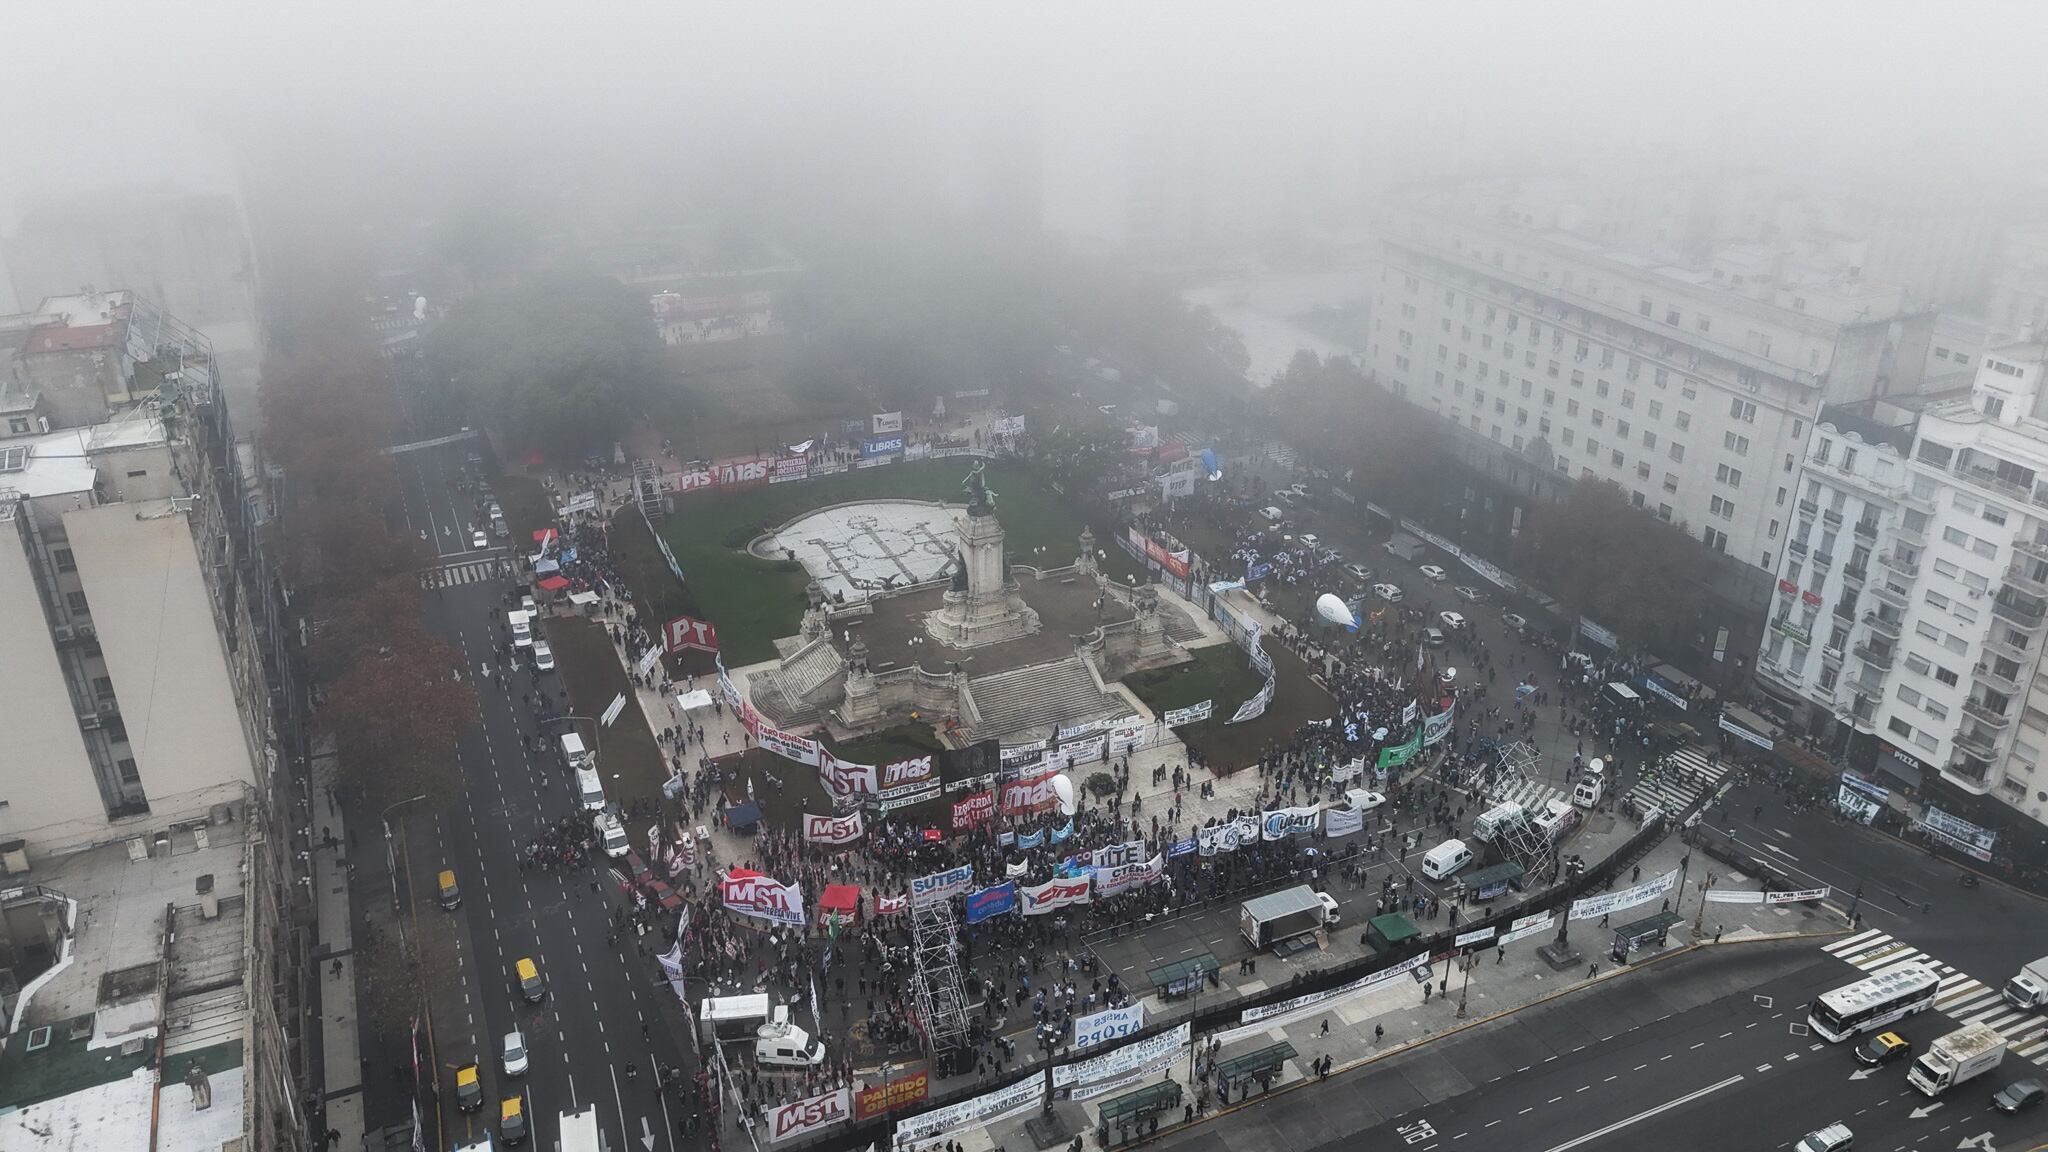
{"points": [[1913, 593], [1694, 390]]}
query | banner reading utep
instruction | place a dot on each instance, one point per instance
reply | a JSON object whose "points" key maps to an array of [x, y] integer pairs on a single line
{"points": [[752, 894], [976, 808], [843, 778], [832, 829], [1055, 894], [787, 745], [1030, 796], [939, 885], [810, 1114], [1124, 877]]}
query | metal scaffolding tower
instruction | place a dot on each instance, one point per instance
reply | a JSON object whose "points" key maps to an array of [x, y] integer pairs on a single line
{"points": [[935, 981], [647, 486]]}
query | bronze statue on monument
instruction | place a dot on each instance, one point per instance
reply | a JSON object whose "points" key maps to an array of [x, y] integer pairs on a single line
{"points": [[981, 499]]}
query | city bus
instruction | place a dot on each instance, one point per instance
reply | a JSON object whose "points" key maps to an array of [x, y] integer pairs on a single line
{"points": [[579, 1131], [1873, 1002]]}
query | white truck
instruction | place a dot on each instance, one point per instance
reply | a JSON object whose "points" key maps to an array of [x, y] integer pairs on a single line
{"points": [[784, 1045], [1964, 1054], [1269, 919], [2029, 990]]}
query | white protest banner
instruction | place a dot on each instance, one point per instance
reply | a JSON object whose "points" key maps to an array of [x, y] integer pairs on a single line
{"points": [[1408, 713], [1192, 714], [1606, 902], [1733, 896], [1128, 734], [1301, 1007], [1091, 1091], [981, 1110], [1476, 936], [1342, 822], [1040, 899], [1281, 823], [751, 894], [612, 710], [1121, 1060], [809, 1114], [1210, 841], [1346, 773], [1111, 855], [1123, 877], [1109, 1024], [939, 885], [843, 778], [1801, 896], [1526, 926], [648, 660], [832, 829], [1435, 728], [788, 746]]}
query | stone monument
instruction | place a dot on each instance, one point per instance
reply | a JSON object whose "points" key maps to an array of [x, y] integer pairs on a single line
{"points": [[982, 607]]}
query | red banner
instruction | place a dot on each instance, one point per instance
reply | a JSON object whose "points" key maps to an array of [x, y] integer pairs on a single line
{"points": [[975, 809], [896, 1093], [689, 632], [1028, 796], [728, 472]]}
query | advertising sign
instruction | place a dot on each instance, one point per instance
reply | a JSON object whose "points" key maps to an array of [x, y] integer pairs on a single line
{"points": [[809, 1114], [886, 422], [991, 902], [788, 468], [687, 632], [1193, 713], [1055, 894], [1109, 1024], [752, 894], [973, 809], [877, 446], [939, 885], [897, 1093], [1588, 907], [832, 829]]}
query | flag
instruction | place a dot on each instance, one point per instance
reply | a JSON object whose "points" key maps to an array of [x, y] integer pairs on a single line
{"points": [[832, 926]]}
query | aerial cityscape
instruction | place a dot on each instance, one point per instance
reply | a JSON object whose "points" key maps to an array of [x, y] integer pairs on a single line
{"points": [[903, 577]]}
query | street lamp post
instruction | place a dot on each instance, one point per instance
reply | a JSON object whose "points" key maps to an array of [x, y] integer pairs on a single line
{"points": [[1700, 918], [391, 863], [1465, 986]]}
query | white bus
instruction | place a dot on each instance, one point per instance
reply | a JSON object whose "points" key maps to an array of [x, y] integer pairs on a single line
{"points": [[579, 1131], [1873, 1003]]}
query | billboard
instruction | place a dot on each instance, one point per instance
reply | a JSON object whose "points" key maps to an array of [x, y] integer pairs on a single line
{"points": [[887, 422], [877, 446], [689, 632]]}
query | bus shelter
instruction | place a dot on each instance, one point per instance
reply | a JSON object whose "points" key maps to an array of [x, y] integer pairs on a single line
{"points": [[1650, 929], [1261, 1067], [1182, 976], [1135, 1115]]}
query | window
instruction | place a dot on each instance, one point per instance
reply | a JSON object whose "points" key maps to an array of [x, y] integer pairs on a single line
{"points": [[1552, 369], [1600, 388], [1621, 429], [1909, 695], [1704, 324], [1927, 631], [1715, 539], [1781, 495], [17, 425], [1571, 407], [1671, 482], [1725, 509], [1946, 676], [65, 561], [1664, 512], [1732, 477], [1649, 438], [1521, 416], [1994, 515], [128, 773], [1936, 710], [1592, 446], [103, 687], [1543, 425], [1549, 397], [1683, 420], [1616, 458], [76, 601], [1642, 469], [1742, 410], [1628, 399], [1439, 379], [1671, 316], [1918, 664], [1937, 599], [1984, 548], [1773, 535], [1578, 378], [1955, 536], [1644, 308], [1599, 418], [1525, 387], [1690, 390], [1900, 727], [1736, 444], [1677, 451], [1567, 437]]}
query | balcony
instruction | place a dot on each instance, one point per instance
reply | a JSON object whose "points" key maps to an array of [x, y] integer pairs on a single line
{"points": [[1875, 657], [2021, 615], [1917, 537], [1990, 481], [1989, 676], [1863, 708], [2019, 577], [1919, 503], [1809, 507], [1984, 714], [1997, 644], [1882, 625], [1797, 547], [1855, 573], [1831, 656], [2038, 549], [1899, 564], [1893, 596], [1978, 743], [1793, 630], [1832, 516], [1866, 529]]}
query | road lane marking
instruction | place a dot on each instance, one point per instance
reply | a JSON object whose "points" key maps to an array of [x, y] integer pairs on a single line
{"points": [[1645, 1115]]}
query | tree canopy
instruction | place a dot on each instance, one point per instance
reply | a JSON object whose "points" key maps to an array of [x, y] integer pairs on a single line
{"points": [[560, 361], [1603, 557]]}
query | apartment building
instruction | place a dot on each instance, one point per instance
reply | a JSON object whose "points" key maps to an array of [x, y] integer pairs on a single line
{"points": [[1912, 598], [1693, 389]]}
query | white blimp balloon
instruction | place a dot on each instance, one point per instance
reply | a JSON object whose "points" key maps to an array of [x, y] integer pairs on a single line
{"points": [[1063, 791], [1331, 607]]}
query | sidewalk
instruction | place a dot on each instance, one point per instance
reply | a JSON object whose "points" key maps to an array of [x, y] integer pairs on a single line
{"points": [[1356, 1030], [334, 960]]}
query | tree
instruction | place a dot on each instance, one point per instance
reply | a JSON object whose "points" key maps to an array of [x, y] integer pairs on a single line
{"points": [[1603, 557], [396, 712], [1393, 450], [561, 361]]}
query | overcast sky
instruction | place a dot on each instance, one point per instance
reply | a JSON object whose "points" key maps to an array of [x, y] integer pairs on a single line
{"points": [[121, 89]]}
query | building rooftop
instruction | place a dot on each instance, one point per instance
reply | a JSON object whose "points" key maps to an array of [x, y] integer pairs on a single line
{"points": [[59, 338], [59, 463]]}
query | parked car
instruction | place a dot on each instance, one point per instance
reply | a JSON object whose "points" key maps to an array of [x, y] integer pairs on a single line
{"points": [[1389, 592], [1469, 594], [1359, 572], [1515, 622], [1272, 514], [1434, 637], [1452, 620], [1433, 572], [543, 656], [1310, 540]]}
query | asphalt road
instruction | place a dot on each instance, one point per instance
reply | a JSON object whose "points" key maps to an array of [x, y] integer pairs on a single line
{"points": [[1701, 1051], [590, 1027]]}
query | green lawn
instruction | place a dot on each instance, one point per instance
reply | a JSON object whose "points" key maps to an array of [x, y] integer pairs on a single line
{"points": [[1221, 672], [753, 601]]}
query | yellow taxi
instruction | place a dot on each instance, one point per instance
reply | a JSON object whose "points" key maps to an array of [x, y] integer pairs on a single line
{"points": [[469, 1091], [512, 1120], [531, 985], [1883, 1048], [450, 893]]}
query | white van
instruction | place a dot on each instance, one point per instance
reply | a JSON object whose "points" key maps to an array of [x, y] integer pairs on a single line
{"points": [[522, 628], [590, 789], [787, 1046], [1445, 859], [1273, 515], [1557, 819], [1490, 821], [574, 754]]}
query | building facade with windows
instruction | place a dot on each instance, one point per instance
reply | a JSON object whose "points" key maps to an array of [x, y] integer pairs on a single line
{"points": [[1693, 394], [1912, 601]]}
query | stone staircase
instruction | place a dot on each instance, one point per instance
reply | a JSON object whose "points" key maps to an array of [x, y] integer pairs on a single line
{"points": [[1040, 696], [786, 695]]}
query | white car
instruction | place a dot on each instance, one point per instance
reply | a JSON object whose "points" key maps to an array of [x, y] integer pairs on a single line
{"points": [[1364, 801], [1452, 620], [543, 656], [515, 1054], [1514, 620], [1388, 592], [1310, 540], [478, 540], [1331, 913], [1298, 489], [1433, 572], [1434, 637], [1469, 594]]}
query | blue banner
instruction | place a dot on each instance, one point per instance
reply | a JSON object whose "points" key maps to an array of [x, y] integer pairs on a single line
{"points": [[1182, 847], [1032, 840], [1061, 833], [991, 902], [1257, 572], [887, 445]]}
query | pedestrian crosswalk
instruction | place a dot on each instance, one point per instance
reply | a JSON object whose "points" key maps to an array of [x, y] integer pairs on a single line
{"points": [[1532, 795], [1683, 777], [465, 572], [1961, 998]]}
